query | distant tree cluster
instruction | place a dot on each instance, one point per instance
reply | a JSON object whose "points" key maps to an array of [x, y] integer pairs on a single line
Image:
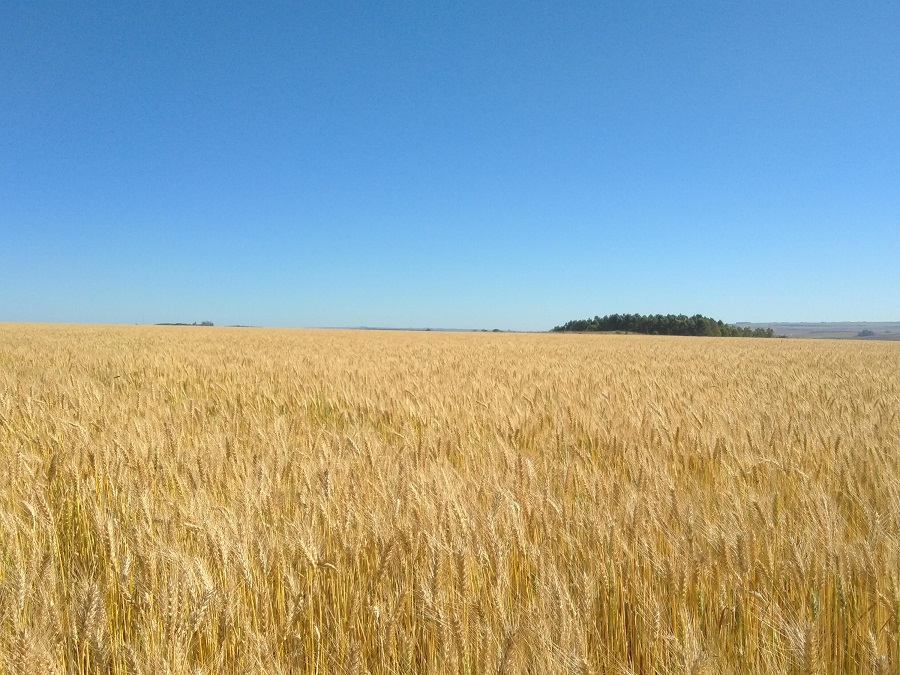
{"points": [[202, 323], [658, 324]]}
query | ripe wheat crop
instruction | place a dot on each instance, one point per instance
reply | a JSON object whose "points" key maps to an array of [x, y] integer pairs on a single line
{"points": [[211, 500]]}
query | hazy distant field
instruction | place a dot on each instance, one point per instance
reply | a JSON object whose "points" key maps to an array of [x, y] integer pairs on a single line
{"points": [[259, 501], [882, 330]]}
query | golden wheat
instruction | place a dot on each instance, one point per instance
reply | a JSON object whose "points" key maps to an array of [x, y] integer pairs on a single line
{"points": [[246, 501]]}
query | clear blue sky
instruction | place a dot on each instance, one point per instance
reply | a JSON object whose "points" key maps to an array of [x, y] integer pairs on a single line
{"points": [[451, 164]]}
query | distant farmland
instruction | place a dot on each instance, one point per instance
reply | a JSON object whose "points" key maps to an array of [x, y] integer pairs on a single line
{"points": [[251, 500], [881, 330]]}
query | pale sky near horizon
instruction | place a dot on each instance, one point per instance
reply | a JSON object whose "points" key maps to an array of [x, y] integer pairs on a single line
{"points": [[503, 165]]}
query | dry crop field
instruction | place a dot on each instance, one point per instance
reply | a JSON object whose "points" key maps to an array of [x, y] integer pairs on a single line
{"points": [[216, 500]]}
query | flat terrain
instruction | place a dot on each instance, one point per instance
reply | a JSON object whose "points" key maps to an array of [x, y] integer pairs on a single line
{"points": [[883, 330], [177, 499]]}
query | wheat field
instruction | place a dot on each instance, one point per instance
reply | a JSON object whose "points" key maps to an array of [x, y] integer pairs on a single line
{"points": [[211, 500]]}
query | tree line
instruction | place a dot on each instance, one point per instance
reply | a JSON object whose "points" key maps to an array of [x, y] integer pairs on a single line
{"points": [[658, 324], [202, 323]]}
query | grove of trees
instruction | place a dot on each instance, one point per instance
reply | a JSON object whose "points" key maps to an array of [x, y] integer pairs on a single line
{"points": [[659, 324]]}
